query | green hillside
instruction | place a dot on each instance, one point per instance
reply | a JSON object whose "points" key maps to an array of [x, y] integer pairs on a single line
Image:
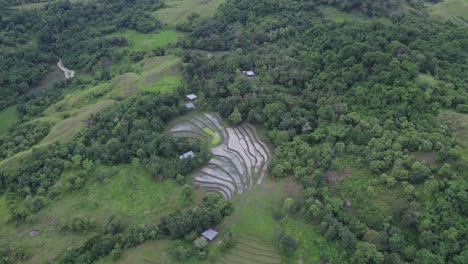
{"points": [[346, 144]]}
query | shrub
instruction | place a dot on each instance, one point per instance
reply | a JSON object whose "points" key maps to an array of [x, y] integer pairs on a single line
{"points": [[287, 244]]}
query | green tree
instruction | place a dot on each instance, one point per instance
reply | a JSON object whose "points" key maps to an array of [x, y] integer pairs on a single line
{"points": [[366, 253], [235, 117]]}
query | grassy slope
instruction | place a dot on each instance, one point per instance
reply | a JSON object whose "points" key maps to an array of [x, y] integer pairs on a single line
{"points": [[450, 10], [146, 42], [7, 118], [458, 124], [178, 10], [131, 194], [160, 74]]}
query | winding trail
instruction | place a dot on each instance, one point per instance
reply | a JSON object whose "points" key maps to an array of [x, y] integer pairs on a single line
{"points": [[68, 73]]}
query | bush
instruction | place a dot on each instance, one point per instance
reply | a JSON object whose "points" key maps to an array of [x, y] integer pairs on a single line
{"points": [[182, 252], [287, 244], [78, 224]]}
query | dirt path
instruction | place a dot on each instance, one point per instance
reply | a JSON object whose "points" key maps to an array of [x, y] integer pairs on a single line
{"points": [[68, 73]]}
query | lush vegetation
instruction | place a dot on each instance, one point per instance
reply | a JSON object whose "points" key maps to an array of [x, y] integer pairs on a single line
{"points": [[364, 103], [327, 91]]}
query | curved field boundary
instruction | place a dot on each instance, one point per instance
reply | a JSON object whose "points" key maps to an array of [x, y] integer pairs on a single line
{"points": [[202, 176], [187, 125], [189, 134], [234, 147], [207, 123], [264, 148], [249, 250], [240, 160], [235, 180], [226, 165], [245, 146], [216, 189], [250, 148], [212, 169], [217, 121]]}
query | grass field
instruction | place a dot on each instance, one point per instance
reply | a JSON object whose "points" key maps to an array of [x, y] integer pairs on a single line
{"points": [[254, 213], [157, 252], [451, 10], [67, 128], [7, 118], [146, 42], [160, 74], [178, 10], [130, 194]]}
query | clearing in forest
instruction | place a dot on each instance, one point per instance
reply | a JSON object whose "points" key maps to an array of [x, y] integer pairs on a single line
{"points": [[240, 156], [177, 11], [451, 10], [146, 42], [8, 117]]}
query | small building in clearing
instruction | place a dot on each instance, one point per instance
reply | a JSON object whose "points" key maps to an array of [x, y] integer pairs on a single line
{"points": [[187, 155], [191, 97], [210, 234], [190, 106], [248, 73]]}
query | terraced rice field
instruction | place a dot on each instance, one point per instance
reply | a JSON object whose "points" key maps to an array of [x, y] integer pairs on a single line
{"points": [[250, 250], [240, 159]]}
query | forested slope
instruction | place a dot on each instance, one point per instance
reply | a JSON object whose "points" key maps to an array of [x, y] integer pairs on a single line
{"points": [[366, 90], [359, 111]]}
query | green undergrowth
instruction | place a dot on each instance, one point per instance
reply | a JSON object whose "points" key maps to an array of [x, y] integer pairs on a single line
{"points": [[371, 200], [178, 11], [310, 244], [8, 117]]}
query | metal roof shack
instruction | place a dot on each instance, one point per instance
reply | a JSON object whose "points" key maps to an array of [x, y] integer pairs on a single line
{"points": [[187, 155], [210, 234], [191, 97], [189, 106], [248, 73]]}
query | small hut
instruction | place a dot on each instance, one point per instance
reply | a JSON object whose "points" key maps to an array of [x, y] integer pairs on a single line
{"points": [[190, 106], [191, 97], [248, 73], [210, 234], [187, 155]]}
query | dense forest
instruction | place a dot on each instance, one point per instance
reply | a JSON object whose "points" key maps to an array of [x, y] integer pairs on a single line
{"points": [[332, 90], [368, 91]]}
